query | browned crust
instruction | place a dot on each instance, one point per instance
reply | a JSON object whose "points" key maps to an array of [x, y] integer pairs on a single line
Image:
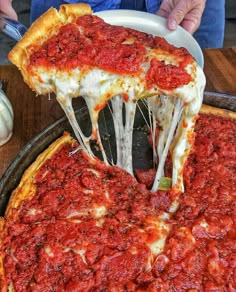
{"points": [[2, 273], [76, 10], [26, 189], [207, 109], [42, 29]]}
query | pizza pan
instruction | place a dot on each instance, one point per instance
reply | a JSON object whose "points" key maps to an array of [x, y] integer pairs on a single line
{"points": [[155, 25], [33, 148]]}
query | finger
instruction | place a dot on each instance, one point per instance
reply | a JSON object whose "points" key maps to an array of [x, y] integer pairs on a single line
{"points": [[191, 22], [186, 13], [6, 7], [174, 12], [177, 15], [165, 9]]}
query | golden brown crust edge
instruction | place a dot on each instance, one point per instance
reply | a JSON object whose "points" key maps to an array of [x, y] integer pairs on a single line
{"points": [[207, 109], [76, 10], [2, 273], [26, 188], [36, 34], [44, 27]]}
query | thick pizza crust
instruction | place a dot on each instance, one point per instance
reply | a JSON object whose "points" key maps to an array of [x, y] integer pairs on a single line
{"points": [[26, 188], [2, 273], [207, 109], [41, 30]]}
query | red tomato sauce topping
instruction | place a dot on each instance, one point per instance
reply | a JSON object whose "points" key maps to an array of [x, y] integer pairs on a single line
{"points": [[200, 252], [59, 242], [82, 229], [166, 76], [115, 49]]}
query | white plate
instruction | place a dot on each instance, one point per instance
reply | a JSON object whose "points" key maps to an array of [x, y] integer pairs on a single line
{"points": [[155, 25]]}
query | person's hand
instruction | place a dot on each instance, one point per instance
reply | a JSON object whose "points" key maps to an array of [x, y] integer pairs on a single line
{"points": [[187, 13], [6, 8]]}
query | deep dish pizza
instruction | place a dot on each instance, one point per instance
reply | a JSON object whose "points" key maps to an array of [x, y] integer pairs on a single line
{"points": [[75, 223], [74, 53]]}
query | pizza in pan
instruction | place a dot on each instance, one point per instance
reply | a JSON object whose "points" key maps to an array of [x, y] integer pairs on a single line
{"points": [[72, 53], [75, 223]]}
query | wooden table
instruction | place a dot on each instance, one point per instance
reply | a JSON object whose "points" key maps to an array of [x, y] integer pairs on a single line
{"points": [[33, 113]]}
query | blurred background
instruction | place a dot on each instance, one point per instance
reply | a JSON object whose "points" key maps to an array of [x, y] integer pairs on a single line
{"points": [[23, 8]]}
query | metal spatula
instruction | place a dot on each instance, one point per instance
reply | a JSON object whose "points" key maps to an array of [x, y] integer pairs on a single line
{"points": [[12, 28]]}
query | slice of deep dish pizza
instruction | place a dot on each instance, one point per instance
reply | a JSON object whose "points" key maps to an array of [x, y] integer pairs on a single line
{"points": [[73, 53]]}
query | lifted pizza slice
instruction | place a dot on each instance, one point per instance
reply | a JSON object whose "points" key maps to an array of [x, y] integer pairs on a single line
{"points": [[72, 53]]}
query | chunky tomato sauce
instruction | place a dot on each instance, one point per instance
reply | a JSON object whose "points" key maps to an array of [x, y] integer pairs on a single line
{"points": [[59, 243], [81, 230], [166, 76], [200, 253], [116, 49]]}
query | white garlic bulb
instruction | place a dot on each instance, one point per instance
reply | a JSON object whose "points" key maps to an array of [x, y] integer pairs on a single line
{"points": [[6, 118]]}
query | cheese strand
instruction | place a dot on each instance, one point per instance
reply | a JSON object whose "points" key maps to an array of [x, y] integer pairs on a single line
{"points": [[66, 105], [175, 119], [124, 130]]}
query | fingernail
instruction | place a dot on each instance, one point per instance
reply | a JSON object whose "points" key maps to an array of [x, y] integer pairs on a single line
{"points": [[172, 24]]}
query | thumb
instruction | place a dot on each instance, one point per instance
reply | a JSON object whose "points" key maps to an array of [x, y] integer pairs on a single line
{"points": [[187, 15], [177, 15]]}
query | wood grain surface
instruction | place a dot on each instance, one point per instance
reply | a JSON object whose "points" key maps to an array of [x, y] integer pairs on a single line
{"points": [[34, 113], [220, 70], [31, 113]]}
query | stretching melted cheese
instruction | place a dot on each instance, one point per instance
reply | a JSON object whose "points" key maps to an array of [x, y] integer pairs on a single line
{"points": [[173, 107], [175, 112]]}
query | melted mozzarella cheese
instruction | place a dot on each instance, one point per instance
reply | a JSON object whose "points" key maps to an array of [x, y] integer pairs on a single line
{"points": [[49, 251], [124, 130], [81, 252], [161, 228], [175, 113], [94, 211], [183, 139], [176, 117], [167, 135]]}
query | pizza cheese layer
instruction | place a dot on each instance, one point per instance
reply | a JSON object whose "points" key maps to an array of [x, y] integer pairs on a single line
{"points": [[73, 53], [77, 224]]}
